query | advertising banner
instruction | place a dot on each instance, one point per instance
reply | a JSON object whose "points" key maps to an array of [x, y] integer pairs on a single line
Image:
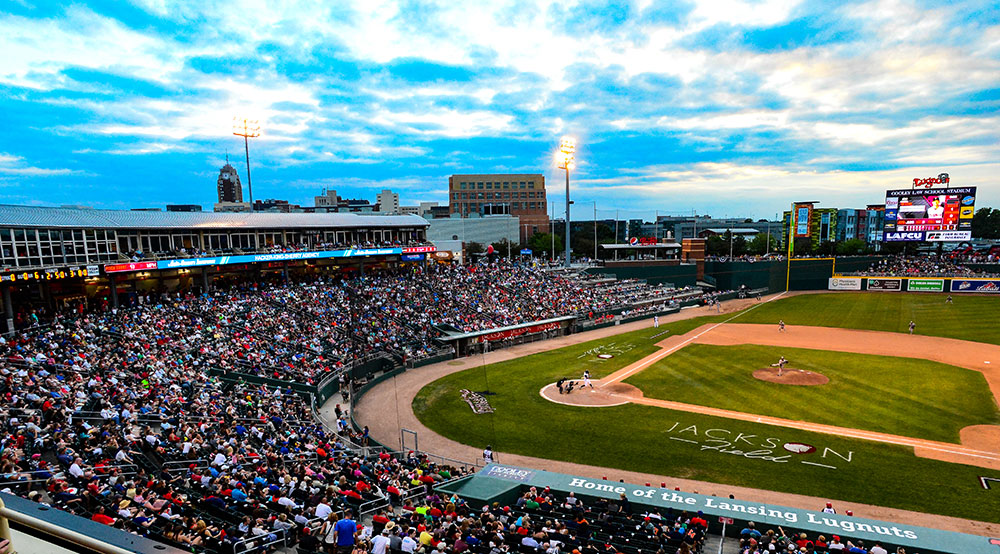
{"points": [[885, 284], [976, 285], [888, 533], [134, 266], [803, 216], [899, 236], [845, 283], [925, 285], [944, 236], [412, 257], [511, 333], [283, 257]]}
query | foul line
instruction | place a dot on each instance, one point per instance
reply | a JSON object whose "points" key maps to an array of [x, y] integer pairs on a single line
{"points": [[666, 352]]}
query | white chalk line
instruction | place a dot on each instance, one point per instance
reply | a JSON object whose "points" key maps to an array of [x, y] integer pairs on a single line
{"points": [[666, 352]]}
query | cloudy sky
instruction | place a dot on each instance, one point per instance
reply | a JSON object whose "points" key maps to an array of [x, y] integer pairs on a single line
{"points": [[723, 107]]}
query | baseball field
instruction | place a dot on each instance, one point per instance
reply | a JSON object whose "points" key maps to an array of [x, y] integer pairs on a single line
{"points": [[882, 418]]}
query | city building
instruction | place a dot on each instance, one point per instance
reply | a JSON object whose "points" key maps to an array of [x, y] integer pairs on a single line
{"points": [[747, 234], [483, 230], [686, 227], [273, 205], [388, 202], [328, 199], [874, 223], [229, 187], [820, 225], [521, 195], [231, 207], [183, 207]]}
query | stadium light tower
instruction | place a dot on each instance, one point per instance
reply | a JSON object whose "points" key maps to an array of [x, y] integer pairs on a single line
{"points": [[248, 129], [564, 159]]}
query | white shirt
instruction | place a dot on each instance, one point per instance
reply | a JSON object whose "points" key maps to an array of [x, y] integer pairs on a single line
{"points": [[878, 550], [380, 544], [409, 545], [323, 510], [75, 470]]}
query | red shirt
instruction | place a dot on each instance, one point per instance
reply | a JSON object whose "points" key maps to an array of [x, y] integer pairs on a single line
{"points": [[103, 518]]}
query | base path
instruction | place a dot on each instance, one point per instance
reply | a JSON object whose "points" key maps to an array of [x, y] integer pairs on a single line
{"points": [[979, 442], [387, 407]]}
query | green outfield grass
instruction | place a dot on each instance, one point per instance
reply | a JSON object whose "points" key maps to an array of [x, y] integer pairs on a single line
{"points": [[969, 317], [665, 442], [901, 396]]}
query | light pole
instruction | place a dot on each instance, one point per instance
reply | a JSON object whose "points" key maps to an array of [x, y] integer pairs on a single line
{"points": [[248, 129], [565, 157], [595, 231]]}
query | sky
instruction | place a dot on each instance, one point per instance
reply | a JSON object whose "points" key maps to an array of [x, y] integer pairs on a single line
{"points": [[722, 107]]}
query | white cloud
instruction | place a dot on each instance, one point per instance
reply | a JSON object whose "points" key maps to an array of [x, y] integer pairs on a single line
{"points": [[17, 166]]}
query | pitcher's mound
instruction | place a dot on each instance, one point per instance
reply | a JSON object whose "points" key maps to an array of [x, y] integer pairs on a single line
{"points": [[614, 394], [791, 376]]}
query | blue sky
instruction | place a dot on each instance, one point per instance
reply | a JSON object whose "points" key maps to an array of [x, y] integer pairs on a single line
{"points": [[723, 107]]}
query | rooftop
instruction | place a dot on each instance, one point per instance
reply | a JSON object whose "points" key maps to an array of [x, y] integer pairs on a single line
{"points": [[49, 217]]}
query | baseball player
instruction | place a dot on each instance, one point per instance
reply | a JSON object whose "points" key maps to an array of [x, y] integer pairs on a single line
{"points": [[586, 380], [780, 365], [781, 326], [913, 326]]}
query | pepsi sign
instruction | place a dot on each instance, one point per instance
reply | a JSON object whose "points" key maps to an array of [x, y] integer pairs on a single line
{"points": [[904, 236]]}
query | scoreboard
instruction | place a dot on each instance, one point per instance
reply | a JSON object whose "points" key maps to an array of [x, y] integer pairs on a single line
{"points": [[934, 215]]}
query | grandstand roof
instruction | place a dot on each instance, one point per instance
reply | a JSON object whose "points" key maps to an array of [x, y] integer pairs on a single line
{"points": [[49, 217]]}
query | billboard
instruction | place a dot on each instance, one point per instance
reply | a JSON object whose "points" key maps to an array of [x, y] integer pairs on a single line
{"points": [[885, 284], [134, 266], [936, 215], [845, 283], [803, 215], [976, 285], [925, 285]]}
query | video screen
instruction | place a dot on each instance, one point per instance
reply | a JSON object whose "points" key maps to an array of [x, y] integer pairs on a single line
{"points": [[935, 215]]}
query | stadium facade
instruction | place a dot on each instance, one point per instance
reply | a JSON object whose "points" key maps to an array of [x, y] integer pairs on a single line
{"points": [[57, 255]]}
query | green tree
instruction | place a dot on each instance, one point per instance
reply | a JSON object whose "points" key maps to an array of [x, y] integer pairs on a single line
{"points": [[542, 242], [762, 245], [986, 224], [474, 248], [715, 245], [851, 247]]}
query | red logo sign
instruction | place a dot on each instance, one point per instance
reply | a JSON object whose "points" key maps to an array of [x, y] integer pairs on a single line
{"points": [[941, 179], [419, 249], [135, 266]]}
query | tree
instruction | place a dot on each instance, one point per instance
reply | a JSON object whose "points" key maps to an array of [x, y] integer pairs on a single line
{"points": [[542, 242], [474, 248], [986, 224], [802, 246], [504, 247], [715, 245], [760, 244], [851, 247]]}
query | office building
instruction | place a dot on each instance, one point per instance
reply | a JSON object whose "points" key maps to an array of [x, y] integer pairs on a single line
{"points": [[388, 202], [229, 187], [521, 195]]}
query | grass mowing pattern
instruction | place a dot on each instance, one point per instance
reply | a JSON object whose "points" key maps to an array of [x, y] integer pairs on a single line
{"points": [[635, 437], [901, 396], [968, 317]]}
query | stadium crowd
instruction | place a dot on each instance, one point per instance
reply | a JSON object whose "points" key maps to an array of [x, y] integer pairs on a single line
{"points": [[113, 415], [921, 266]]}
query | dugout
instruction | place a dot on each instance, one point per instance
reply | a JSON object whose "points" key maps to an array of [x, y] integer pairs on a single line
{"points": [[503, 483]]}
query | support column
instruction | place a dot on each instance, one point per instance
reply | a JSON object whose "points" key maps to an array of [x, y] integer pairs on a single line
{"points": [[205, 283], [361, 268], [8, 308], [284, 272], [114, 291]]}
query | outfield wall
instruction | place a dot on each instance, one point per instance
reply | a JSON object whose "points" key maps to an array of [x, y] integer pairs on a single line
{"points": [[502, 483], [915, 284], [683, 275]]}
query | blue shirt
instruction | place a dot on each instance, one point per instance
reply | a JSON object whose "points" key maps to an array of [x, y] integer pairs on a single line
{"points": [[345, 532]]}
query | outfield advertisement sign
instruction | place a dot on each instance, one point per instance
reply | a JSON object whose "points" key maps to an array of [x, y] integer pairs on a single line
{"points": [[908, 536], [925, 285], [991, 286], [885, 284], [845, 283]]}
